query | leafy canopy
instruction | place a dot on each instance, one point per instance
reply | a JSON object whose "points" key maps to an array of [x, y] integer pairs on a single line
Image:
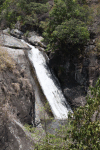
{"points": [[67, 24], [26, 11]]}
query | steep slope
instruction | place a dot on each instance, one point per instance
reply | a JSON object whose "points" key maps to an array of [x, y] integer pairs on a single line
{"points": [[16, 101]]}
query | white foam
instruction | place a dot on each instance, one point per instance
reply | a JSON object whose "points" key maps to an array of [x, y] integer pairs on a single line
{"points": [[59, 106]]}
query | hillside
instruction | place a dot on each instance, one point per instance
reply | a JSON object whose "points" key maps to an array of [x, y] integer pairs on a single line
{"points": [[67, 32]]}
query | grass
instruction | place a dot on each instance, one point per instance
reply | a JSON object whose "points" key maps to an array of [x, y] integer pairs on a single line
{"points": [[6, 62]]}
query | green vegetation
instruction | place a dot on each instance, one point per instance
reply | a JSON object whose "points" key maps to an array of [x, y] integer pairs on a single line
{"points": [[67, 25], [86, 125], [25, 11], [82, 131]]}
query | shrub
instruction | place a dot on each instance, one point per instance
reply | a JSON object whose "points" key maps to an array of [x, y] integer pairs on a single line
{"points": [[86, 125]]}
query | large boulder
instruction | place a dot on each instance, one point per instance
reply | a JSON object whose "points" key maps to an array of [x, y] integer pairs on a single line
{"points": [[17, 33], [35, 39], [12, 42]]}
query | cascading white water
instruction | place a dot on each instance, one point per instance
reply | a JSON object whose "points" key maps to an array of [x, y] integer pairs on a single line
{"points": [[59, 106]]}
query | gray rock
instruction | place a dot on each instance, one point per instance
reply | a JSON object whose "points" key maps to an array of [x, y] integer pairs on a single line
{"points": [[35, 39], [90, 48], [18, 25], [17, 110], [30, 34], [12, 42], [75, 95], [17, 33], [6, 31]]}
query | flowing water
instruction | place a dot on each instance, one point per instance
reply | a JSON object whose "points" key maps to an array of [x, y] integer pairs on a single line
{"points": [[51, 89]]}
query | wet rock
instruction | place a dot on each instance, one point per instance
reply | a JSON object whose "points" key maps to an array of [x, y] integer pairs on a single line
{"points": [[75, 95], [73, 79]]}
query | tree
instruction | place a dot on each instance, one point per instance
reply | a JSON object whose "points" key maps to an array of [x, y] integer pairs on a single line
{"points": [[66, 25], [25, 11]]}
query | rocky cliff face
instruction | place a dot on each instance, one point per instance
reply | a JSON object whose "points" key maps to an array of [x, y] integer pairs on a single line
{"points": [[76, 74], [17, 99]]}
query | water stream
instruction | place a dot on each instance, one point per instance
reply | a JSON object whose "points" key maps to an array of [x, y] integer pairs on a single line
{"points": [[51, 89]]}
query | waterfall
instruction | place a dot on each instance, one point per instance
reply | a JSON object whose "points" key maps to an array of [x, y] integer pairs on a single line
{"points": [[51, 89]]}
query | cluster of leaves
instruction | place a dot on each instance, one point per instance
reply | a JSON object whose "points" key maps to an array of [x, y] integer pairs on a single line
{"points": [[67, 25], [25, 11]]}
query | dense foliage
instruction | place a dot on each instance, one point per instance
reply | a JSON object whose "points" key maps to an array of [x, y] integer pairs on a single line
{"points": [[67, 25], [25, 11]]}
